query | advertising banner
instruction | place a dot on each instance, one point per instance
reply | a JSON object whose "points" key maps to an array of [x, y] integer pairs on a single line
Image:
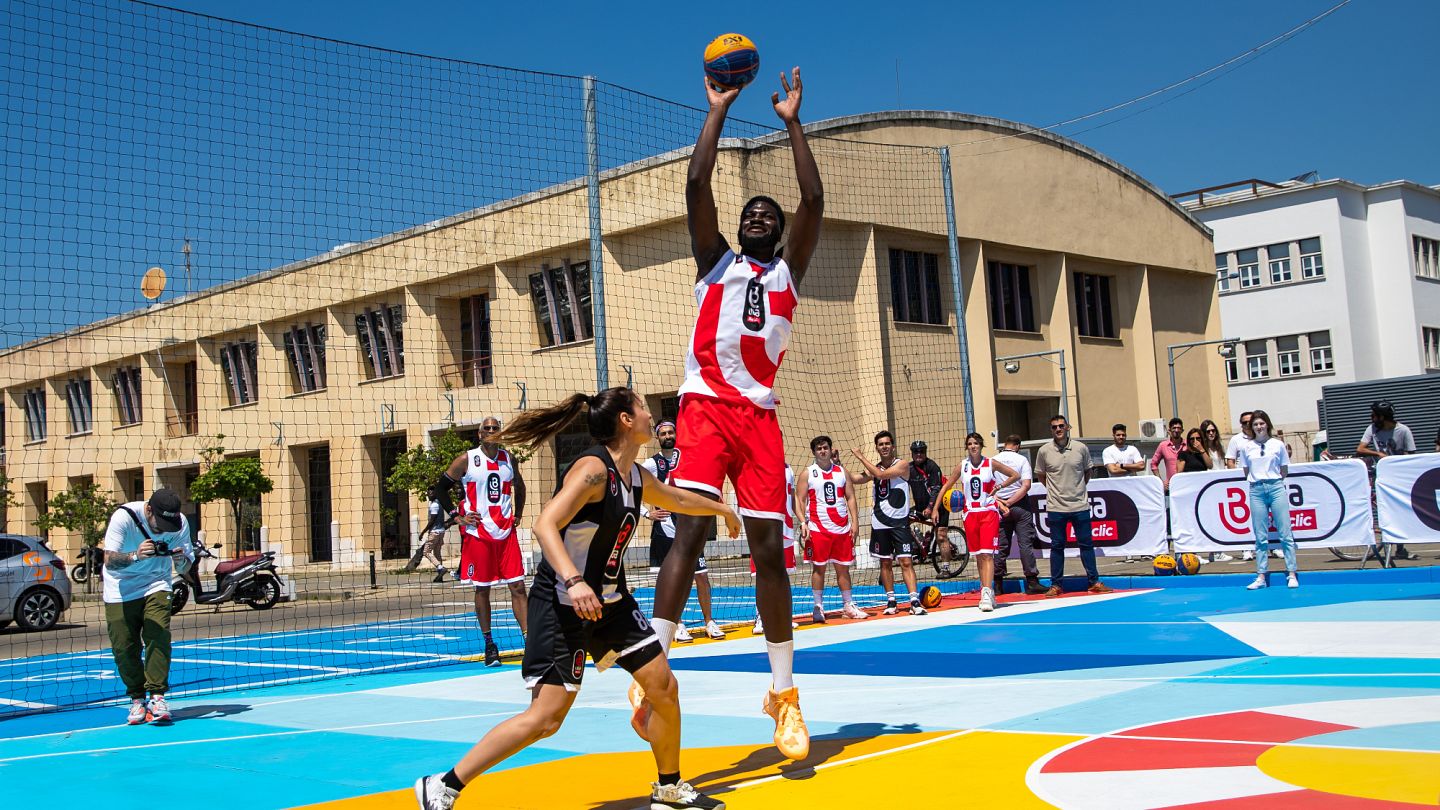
{"points": [[1329, 506], [1407, 489], [1127, 518]]}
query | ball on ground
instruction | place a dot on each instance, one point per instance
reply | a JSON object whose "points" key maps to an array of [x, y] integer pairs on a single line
{"points": [[1187, 564], [1164, 565], [930, 596], [731, 60]]}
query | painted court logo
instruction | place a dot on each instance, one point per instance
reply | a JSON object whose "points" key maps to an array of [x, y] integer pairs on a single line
{"points": [[1317, 509]]}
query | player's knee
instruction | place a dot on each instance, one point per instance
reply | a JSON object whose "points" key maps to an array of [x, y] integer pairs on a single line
{"points": [[905, 563], [518, 588], [668, 693], [546, 724]]}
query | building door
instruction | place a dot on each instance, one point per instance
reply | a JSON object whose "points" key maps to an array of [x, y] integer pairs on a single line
{"points": [[394, 507], [317, 491]]}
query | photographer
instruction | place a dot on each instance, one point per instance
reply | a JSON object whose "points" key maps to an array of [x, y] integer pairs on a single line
{"points": [[145, 544]]}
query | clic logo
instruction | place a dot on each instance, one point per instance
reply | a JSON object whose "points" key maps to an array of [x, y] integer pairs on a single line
{"points": [[1114, 520], [1317, 509]]}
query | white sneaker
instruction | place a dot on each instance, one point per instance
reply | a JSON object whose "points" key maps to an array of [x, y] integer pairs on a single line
{"points": [[891, 608], [1277, 553], [1258, 583], [1221, 557], [1292, 581], [137, 714], [759, 627], [713, 630], [159, 710], [987, 600], [1247, 556], [433, 794], [916, 609], [681, 634], [853, 611]]}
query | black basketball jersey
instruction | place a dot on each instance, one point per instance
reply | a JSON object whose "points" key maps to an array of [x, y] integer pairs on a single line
{"points": [[597, 536], [892, 502]]}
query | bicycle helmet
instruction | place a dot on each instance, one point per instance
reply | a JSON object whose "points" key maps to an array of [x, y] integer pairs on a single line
{"points": [[918, 446], [1381, 408]]}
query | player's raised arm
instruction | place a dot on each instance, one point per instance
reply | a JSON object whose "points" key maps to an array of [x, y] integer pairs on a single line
{"points": [[806, 234], [705, 239]]}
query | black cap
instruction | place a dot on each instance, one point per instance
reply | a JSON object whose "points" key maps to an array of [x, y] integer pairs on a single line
{"points": [[165, 509], [918, 446]]}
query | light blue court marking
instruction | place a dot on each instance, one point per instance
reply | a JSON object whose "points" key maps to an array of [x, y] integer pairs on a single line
{"points": [[1412, 736], [1388, 610]]}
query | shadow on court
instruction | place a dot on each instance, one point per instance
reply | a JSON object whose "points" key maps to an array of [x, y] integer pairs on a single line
{"points": [[209, 711]]}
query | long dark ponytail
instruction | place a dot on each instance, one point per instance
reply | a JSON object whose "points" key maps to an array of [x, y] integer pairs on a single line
{"points": [[602, 417]]}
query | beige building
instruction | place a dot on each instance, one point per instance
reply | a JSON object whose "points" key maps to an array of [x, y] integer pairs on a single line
{"points": [[329, 367]]}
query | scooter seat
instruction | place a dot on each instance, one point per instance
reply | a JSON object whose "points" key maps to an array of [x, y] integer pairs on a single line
{"points": [[235, 565]]}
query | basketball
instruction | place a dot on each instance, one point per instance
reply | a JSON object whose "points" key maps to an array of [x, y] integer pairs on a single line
{"points": [[1187, 564], [930, 596], [1164, 565], [731, 60], [954, 500]]}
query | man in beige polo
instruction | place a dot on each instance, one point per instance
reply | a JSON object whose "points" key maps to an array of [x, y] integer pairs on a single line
{"points": [[1063, 466]]}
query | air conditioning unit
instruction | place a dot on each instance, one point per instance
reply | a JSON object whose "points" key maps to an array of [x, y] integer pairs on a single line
{"points": [[1152, 429]]}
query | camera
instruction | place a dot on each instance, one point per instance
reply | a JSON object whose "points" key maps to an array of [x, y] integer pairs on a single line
{"points": [[162, 548]]}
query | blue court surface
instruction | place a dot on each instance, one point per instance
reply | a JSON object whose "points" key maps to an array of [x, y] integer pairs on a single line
{"points": [[1193, 696]]}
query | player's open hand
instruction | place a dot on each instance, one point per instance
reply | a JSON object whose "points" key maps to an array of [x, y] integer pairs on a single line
{"points": [[585, 602], [659, 515], [788, 108], [720, 97]]}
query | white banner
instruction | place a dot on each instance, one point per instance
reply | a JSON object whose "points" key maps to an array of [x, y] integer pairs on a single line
{"points": [[1127, 518], [1329, 506], [1407, 489]]}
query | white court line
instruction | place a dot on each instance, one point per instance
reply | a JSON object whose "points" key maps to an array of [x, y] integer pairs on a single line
{"points": [[111, 726], [356, 651], [25, 704], [1269, 744], [173, 661], [835, 763]]}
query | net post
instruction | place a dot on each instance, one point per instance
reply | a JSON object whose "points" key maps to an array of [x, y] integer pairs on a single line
{"points": [[957, 289], [597, 274]]}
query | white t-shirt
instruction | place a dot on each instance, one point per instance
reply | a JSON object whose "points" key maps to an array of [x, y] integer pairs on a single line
{"points": [[1232, 450], [1130, 454], [1021, 465], [1262, 462], [146, 576]]}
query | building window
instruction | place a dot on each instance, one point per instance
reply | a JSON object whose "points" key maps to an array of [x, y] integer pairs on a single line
{"points": [[237, 361], [1311, 265], [1431, 337], [1092, 305], [379, 331], [1222, 272], [562, 303], [305, 353], [1287, 355], [915, 286], [185, 401], [1257, 360], [1322, 358], [1011, 307], [1232, 370], [126, 382], [78, 405], [1427, 257], [1249, 267], [476, 363], [1278, 257], [35, 415]]}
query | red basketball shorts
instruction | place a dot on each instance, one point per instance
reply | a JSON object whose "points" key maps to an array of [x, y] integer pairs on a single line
{"points": [[982, 530], [826, 548], [719, 440], [485, 562]]}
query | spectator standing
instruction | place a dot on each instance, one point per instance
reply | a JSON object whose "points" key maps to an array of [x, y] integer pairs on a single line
{"points": [[925, 487], [1122, 459], [978, 478], [146, 543], [1193, 458], [1266, 463], [1210, 437], [1168, 453], [1017, 521], [1232, 457], [1385, 436], [828, 528], [890, 537], [1063, 466]]}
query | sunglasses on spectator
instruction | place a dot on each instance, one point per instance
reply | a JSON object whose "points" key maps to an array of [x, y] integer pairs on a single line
{"points": [[490, 429]]}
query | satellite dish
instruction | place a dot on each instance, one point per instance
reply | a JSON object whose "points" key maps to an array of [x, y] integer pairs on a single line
{"points": [[153, 283]]}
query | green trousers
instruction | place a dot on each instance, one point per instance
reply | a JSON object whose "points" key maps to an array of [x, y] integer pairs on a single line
{"points": [[140, 623]]}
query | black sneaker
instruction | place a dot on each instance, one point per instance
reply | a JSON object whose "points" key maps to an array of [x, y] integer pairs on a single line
{"points": [[492, 654], [439, 576], [891, 608], [681, 794]]}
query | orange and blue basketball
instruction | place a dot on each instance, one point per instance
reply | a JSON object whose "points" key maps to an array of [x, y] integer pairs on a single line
{"points": [[731, 60], [930, 596], [954, 500], [1164, 565], [1187, 564]]}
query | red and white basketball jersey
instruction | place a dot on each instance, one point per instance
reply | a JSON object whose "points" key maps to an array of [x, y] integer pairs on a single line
{"points": [[829, 511], [789, 530], [978, 482], [742, 331], [488, 486]]}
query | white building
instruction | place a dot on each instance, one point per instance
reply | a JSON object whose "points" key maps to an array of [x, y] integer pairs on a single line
{"points": [[1323, 283]]}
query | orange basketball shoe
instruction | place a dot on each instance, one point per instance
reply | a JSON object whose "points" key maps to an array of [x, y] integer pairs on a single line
{"points": [[791, 736]]}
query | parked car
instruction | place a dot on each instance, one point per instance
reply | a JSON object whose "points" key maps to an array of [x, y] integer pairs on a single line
{"points": [[34, 591]]}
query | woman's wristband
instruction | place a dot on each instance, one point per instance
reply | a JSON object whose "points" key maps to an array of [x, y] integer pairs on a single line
{"points": [[571, 582]]}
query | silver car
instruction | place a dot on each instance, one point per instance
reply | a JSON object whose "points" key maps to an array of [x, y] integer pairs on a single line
{"points": [[34, 591]]}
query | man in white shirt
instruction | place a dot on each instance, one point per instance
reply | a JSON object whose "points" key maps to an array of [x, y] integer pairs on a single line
{"points": [[1122, 459], [1018, 521], [146, 543]]}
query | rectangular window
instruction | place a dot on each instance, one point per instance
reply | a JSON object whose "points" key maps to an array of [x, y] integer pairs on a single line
{"points": [[379, 330], [237, 361], [305, 354], [1430, 336], [1092, 305], [915, 286], [126, 382], [35, 415], [1287, 355], [1427, 257], [1322, 358], [476, 364], [562, 303], [1311, 264], [1011, 306], [1257, 360], [1248, 262], [1278, 257], [1232, 370], [1222, 272], [78, 405]]}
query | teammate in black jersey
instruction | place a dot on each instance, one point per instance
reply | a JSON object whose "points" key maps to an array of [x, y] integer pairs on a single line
{"points": [[579, 603]]}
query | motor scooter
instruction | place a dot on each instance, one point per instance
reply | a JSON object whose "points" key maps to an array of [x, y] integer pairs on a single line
{"points": [[91, 558], [251, 580]]}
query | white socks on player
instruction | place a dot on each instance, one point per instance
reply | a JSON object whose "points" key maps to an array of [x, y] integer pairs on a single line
{"points": [[819, 597], [846, 597], [665, 629], [782, 663]]}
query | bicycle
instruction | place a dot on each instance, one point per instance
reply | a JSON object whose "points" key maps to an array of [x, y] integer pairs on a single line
{"points": [[927, 548]]}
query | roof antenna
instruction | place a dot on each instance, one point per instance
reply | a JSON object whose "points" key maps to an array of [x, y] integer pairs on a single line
{"points": [[1311, 176]]}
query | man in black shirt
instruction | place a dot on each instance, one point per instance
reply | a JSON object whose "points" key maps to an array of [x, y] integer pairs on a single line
{"points": [[925, 480]]}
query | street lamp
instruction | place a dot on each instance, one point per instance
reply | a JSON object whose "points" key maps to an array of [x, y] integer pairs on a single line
{"points": [[1012, 366], [1225, 348]]}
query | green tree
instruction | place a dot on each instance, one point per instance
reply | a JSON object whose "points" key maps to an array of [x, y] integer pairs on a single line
{"points": [[418, 468], [83, 508], [233, 480], [7, 500]]}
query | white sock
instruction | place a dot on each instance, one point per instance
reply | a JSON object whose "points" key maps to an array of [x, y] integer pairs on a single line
{"points": [[782, 664], [847, 598], [819, 597], [665, 629]]}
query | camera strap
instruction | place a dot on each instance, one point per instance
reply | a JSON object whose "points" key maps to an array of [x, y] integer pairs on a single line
{"points": [[139, 524]]}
